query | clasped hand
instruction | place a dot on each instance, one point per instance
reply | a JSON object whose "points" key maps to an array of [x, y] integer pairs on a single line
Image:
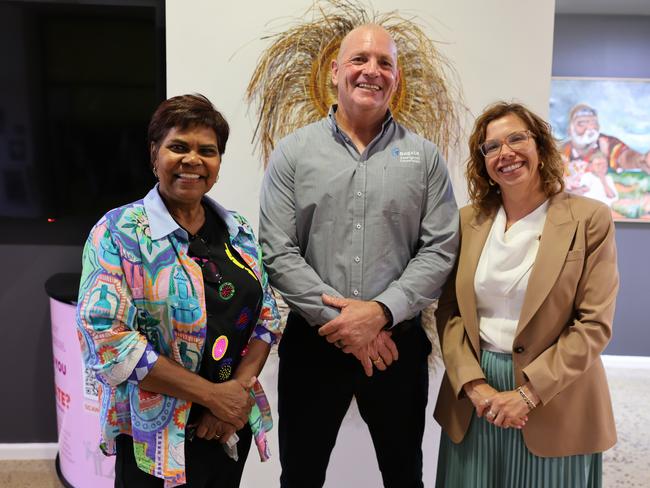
{"points": [[211, 428], [503, 409], [358, 331], [381, 353], [358, 323], [231, 401]]}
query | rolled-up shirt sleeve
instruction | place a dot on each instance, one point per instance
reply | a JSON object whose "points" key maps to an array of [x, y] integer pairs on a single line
{"points": [[267, 328], [106, 314], [290, 274]]}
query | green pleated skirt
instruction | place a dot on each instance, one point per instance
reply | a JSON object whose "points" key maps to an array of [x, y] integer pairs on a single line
{"points": [[493, 457]]}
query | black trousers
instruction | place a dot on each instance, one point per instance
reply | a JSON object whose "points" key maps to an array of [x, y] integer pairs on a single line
{"points": [[206, 464], [316, 384]]}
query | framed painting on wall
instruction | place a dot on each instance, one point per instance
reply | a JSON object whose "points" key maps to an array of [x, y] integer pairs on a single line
{"points": [[604, 128]]}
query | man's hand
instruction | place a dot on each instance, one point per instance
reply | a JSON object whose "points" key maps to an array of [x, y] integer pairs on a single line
{"points": [[358, 324], [231, 401], [380, 353]]}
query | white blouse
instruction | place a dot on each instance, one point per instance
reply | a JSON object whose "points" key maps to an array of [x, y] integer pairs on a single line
{"points": [[502, 276]]}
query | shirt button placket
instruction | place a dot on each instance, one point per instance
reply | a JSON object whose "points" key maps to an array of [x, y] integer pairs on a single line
{"points": [[358, 209]]}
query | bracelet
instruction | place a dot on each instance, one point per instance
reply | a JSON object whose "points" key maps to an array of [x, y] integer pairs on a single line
{"points": [[526, 398]]}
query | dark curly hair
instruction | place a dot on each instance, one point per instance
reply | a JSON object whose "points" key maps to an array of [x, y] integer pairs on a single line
{"points": [[184, 112], [486, 198]]}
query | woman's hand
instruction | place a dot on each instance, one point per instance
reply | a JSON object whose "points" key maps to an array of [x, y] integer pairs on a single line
{"points": [[479, 393], [231, 401], [210, 427], [508, 409]]}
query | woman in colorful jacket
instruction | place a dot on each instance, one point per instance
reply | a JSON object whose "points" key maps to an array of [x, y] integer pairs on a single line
{"points": [[176, 316]]}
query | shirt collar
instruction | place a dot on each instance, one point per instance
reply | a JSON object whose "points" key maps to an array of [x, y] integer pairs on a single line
{"points": [[335, 126], [162, 224]]}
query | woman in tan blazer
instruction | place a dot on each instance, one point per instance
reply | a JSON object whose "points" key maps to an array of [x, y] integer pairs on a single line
{"points": [[524, 401]]}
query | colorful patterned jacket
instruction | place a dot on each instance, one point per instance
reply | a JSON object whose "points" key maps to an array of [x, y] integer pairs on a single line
{"points": [[141, 296]]}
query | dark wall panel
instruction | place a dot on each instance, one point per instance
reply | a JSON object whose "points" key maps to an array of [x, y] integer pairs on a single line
{"points": [[29, 411], [615, 47]]}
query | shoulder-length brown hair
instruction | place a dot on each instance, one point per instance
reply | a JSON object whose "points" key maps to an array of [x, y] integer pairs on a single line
{"points": [[486, 198]]}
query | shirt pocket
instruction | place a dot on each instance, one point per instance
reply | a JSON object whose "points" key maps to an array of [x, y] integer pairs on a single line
{"points": [[403, 188]]}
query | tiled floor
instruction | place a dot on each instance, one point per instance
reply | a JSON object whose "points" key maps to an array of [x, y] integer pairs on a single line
{"points": [[627, 465], [29, 474]]}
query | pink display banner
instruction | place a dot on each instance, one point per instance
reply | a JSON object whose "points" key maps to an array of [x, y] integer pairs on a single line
{"points": [[77, 407]]}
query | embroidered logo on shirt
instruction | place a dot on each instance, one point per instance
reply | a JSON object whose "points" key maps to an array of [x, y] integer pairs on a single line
{"points": [[406, 157]]}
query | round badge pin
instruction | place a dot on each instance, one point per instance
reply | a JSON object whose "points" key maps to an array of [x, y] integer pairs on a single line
{"points": [[219, 347], [226, 290]]}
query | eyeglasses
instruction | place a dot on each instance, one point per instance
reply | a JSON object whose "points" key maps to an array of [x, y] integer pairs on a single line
{"points": [[202, 256], [515, 141]]}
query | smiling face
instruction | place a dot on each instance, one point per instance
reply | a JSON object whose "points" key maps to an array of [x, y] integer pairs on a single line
{"points": [[599, 165], [365, 72], [187, 165], [584, 130], [513, 170]]}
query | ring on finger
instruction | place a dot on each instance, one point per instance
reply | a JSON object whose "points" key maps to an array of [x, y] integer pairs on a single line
{"points": [[491, 414], [216, 437], [378, 360], [339, 344]]}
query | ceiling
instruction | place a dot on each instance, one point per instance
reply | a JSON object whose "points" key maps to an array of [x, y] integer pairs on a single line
{"points": [[603, 7]]}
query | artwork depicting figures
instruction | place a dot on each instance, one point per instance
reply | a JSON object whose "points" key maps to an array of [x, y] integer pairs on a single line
{"points": [[604, 126]]}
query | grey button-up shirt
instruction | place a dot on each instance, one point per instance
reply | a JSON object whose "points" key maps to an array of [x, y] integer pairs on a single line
{"points": [[381, 225]]}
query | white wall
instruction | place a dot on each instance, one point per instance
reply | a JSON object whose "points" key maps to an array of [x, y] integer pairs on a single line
{"points": [[501, 49]]}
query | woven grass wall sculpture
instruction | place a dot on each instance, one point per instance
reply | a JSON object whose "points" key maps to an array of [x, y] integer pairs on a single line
{"points": [[291, 86]]}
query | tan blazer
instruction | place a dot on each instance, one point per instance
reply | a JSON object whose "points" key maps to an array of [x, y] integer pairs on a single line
{"points": [[565, 323]]}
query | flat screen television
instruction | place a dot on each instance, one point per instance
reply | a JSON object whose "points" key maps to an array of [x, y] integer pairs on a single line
{"points": [[78, 86]]}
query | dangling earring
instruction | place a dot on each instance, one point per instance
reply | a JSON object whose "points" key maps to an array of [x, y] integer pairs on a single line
{"points": [[541, 165], [491, 182], [154, 170]]}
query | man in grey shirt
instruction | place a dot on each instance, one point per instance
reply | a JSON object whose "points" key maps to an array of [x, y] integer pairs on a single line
{"points": [[358, 226]]}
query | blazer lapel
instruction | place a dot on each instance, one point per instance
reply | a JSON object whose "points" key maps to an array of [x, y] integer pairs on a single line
{"points": [[474, 237], [554, 244]]}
